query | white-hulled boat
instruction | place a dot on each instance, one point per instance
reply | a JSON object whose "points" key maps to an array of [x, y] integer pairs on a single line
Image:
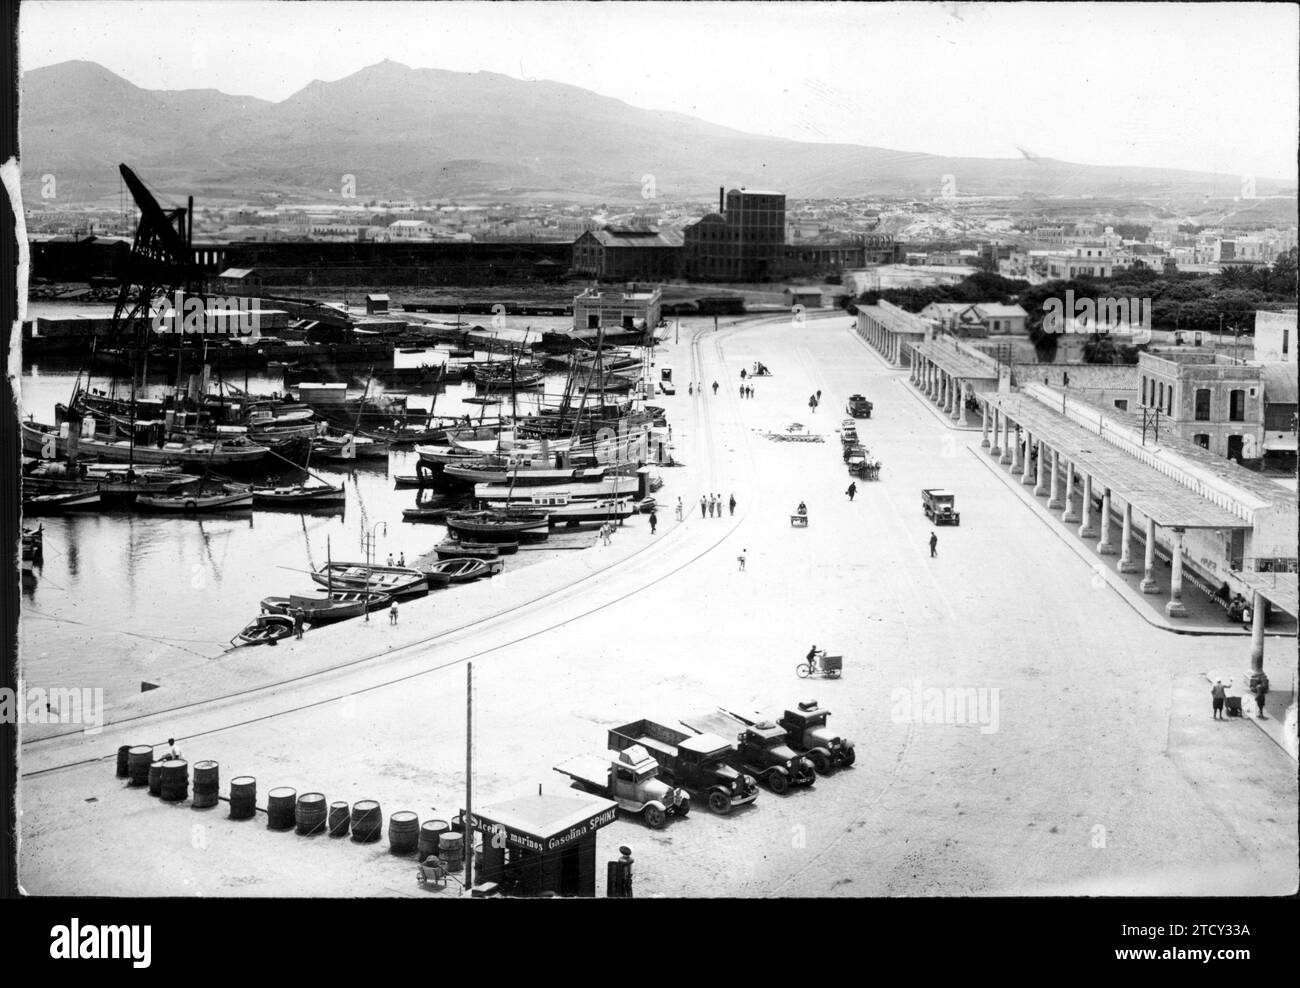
{"points": [[194, 503], [561, 510]]}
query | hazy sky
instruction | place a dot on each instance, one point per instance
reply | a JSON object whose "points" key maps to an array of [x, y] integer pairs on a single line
{"points": [[1202, 86]]}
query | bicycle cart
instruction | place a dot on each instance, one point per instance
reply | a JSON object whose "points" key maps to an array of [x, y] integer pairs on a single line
{"points": [[827, 666]]}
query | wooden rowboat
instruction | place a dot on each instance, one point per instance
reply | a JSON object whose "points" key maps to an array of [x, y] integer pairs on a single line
{"points": [[195, 503], [457, 570], [452, 549], [265, 630]]}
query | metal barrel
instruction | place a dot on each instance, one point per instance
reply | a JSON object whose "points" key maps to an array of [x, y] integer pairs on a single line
{"points": [[243, 797], [207, 784], [174, 780], [310, 813], [124, 761], [155, 778], [280, 804], [139, 759]]}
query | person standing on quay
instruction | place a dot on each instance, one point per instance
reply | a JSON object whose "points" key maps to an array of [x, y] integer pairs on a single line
{"points": [[392, 613], [703, 505], [1217, 693], [715, 387], [719, 496], [934, 545], [298, 618], [690, 388], [731, 503], [853, 489], [654, 521], [741, 559], [679, 509]]}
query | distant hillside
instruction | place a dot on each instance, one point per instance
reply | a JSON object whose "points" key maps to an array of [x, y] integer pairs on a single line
{"points": [[431, 133]]}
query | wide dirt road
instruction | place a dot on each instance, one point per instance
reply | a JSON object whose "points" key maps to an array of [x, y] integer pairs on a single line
{"points": [[1089, 765]]}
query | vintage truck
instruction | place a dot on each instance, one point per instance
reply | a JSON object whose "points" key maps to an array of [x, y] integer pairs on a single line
{"points": [[807, 733], [940, 506], [761, 750], [699, 763], [859, 407], [629, 777]]}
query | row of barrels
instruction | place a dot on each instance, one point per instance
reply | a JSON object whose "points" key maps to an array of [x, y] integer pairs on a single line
{"points": [[287, 810]]}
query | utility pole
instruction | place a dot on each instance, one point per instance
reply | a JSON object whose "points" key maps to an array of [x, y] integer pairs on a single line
{"points": [[468, 828]]}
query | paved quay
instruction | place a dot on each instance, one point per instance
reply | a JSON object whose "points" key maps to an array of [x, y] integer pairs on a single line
{"points": [[1090, 764]]}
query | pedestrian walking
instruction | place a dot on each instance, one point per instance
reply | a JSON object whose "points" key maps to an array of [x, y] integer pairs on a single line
{"points": [[741, 559], [392, 613], [715, 387], [690, 388], [679, 509], [742, 391], [1217, 693], [853, 489], [743, 373], [654, 521], [401, 559], [731, 504], [712, 504], [719, 503], [298, 618], [812, 403], [703, 505], [934, 545], [390, 559], [1260, 692], [819, 396]]}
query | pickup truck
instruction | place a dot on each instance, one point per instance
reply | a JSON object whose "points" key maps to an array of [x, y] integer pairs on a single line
{"points": [[859, 407], [760, 750], [696, 762], [629, 778], [940, 506]]}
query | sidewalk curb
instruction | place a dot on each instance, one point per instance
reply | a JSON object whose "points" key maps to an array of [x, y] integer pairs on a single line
{"points": [[1122, 590]]}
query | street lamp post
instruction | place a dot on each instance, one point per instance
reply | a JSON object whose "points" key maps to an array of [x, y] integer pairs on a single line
{"points": [[369, 540]]}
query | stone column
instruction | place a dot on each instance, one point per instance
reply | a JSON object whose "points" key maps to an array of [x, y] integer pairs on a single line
{"points": [[1017, 463], [1174, 607], [1027, 477], [1006, 439], [1040, 473], [1126, 564], [1148, 584], [995, 449], [1054, 498], [1086, 528], [1104, 546], [984, 425], [1067, 494], [950, 407]]}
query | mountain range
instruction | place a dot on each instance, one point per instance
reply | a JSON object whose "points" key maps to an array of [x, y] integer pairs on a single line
{"points": [[429, 133]]}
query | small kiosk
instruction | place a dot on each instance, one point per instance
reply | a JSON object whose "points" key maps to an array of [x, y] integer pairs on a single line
{"points": [[538, 843]]}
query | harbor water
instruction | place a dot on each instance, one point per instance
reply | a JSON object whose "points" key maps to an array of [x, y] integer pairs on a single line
{"points": [[123, 597]]}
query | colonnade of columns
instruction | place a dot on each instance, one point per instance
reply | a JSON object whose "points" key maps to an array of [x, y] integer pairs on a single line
{"points": [[1052, 474], [946, 390], [889, 344]]}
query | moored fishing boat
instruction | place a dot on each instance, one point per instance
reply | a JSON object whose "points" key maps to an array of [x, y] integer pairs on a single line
{"points": [[451, 549], [499, 526], [457, 570], [195, 503], [398, 581], [297, 494], [264, 630], [338, 605], [562, 510], [57, 504]]}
